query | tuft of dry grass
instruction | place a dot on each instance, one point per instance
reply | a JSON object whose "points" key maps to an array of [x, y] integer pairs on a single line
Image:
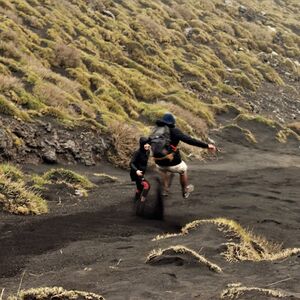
{"points": [[16, 198], [67, 176], [66, 56], [246, 132], [182, 250], [125, 141], [11, 172], [8, 83], [246, 246], [10, 109], [105, 177], [295, 126], [237, 290], [45, 293]]}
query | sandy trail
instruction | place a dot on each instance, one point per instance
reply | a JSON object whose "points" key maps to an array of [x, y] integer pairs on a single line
{"points": [[98, 245]]}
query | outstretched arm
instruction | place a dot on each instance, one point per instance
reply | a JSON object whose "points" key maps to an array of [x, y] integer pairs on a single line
{"points": [[191, 141], [188, 139]]}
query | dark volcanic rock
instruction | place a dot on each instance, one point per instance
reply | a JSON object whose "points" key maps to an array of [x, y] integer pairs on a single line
{"points": [[48, 141], [50, 156]]}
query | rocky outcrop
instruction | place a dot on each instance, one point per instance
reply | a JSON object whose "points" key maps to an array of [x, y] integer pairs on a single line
{"points": [[49, 142]]}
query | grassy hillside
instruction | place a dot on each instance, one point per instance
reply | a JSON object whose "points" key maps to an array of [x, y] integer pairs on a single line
{"points": [[100, 62]]}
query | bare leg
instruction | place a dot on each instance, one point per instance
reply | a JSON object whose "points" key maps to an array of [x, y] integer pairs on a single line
{"points": [[183, 181], [186, 188], [172, 175], [165, 179]]}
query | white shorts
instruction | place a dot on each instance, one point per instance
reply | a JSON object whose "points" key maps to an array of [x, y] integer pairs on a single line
{"points": [[180, 168]]}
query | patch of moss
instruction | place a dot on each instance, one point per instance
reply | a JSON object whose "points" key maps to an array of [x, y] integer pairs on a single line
{"points": [[64, 175]]}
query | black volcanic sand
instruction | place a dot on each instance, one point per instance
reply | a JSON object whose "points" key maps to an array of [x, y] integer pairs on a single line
{"points": [[98, 245]]}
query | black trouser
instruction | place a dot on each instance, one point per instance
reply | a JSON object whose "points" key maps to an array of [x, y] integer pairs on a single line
{"points": [[142, 188]]}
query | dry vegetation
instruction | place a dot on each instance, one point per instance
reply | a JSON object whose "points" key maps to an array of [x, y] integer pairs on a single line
{"points": [[64, 175], [128, 62], [237, 291], [20, 193], [15, 196], [45, 293], [181, 250], [243, 244]]}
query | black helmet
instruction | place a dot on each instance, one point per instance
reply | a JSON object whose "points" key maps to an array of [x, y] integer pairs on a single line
{"points": [[169, 119]]}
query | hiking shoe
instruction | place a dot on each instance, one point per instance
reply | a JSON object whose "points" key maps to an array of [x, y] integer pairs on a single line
{"points": [[189, 189], [165, 193]]}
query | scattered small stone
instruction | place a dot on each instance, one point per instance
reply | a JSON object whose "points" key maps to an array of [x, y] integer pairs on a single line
{"points": [[78, 193], [48, 127], [108, 13], [50, 156], [242, 9]]}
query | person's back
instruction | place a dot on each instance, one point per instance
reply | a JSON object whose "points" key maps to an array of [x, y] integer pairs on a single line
{"points": [[172, 163]]}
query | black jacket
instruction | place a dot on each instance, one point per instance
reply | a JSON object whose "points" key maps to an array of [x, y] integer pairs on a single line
{"points": [[176, 136], [139, 160]]}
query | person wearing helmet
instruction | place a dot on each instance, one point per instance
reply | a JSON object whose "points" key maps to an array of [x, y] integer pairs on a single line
{"points": [[138, 166], [171, 162]]}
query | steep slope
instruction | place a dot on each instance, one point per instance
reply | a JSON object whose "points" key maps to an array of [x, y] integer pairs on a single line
{"points": [[90, 64]]}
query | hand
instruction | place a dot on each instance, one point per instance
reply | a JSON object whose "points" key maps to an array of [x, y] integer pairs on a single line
{"points": [[212, 148], [139, 173]]}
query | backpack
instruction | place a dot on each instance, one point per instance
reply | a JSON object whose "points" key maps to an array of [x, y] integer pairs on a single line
{"points": [[160, 139]]}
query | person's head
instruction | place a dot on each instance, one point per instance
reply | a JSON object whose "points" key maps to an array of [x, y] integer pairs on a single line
{"points": [[144, 143], [169, 119]]}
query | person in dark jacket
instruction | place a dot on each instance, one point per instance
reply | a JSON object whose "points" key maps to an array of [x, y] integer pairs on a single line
{"points": [[138, 166], [173, 162]]}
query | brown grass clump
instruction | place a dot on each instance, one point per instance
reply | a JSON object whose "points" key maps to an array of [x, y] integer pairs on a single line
{"points": [[250, 137], [237, 290], [10, 109], [257, 118], [66, 56], [246, 246], [125, 141], [182, 250], [9, 82], [46, 293], [16, 198], [295, 126], [283, 135]]}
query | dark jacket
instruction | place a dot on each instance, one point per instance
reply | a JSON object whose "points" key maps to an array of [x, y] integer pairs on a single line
{"points": [[176, 136], [139, 160]]}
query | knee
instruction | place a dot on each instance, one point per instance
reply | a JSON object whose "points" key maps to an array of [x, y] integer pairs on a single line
{"points": [[146, 185]]}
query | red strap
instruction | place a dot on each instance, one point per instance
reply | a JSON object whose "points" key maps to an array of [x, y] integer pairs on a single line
{"points": [[173, 148]]}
